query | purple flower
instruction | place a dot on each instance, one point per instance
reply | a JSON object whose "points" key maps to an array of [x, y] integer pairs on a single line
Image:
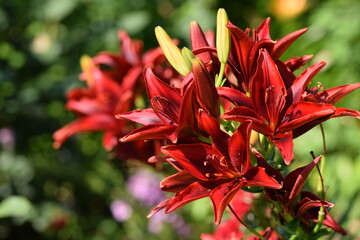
{"points": [[7, 138], [145, 187], [120, 210], [155, 225]]}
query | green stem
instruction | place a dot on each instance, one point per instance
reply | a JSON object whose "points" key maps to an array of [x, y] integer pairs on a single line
{"points": [[220, 76], [247, 226], [204, 139], [321, 188]]}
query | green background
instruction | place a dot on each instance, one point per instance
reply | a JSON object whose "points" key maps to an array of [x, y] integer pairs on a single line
{"points": [[41, 43]]}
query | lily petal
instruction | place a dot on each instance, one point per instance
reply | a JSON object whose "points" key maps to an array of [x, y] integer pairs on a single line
{"points": [[177, 182], [89, 123], [193, 192], [211, 126], [200, 160], [152, 131], [285, 42], [303, 112], [333, 95], [301, 82], [283, 141], [295, 180], [222, 195], [145, 116], [206, 93], [257, 176], [239, 148]]}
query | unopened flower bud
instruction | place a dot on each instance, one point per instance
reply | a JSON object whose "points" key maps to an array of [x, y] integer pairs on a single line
{"points": [[171, 51], [222, 36], [188, 56]]}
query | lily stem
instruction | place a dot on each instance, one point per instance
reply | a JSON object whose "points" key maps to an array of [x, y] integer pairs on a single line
{"points": [[221, 75], [247, 226], [321, 188]]}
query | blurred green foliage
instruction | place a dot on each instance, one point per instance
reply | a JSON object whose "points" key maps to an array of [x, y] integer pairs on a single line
{"points": [[66, 193]]}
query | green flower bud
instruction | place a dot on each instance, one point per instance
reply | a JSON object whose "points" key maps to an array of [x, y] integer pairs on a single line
{"points": [[222, 36], [171, 52], [188, 56]]}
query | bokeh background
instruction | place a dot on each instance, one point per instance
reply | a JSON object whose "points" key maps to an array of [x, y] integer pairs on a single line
{"points": [[78, 191]]}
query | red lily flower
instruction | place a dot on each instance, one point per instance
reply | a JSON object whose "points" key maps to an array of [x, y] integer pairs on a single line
{"points": [[308, 206], [245, 51], [274, 109], [173, 111], [171, 114], [112, 81], [329, 96], [217, 171]]}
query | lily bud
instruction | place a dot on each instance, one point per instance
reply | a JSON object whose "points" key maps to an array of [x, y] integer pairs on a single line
{"points": [[222, 36], [205, 89], [188, 56], [171, 52], [87, 66]]}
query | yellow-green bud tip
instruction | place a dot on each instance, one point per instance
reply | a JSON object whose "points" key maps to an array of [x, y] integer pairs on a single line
{"points": [[171, 51], [222, 36]]}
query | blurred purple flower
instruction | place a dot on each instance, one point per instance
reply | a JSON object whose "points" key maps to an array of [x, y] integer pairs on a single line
{"points": [[120, 210], [156, 223], [145, 187], [7, 138]]}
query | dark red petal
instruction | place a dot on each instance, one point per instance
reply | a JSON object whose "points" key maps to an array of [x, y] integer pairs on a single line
{"points": [[239, 148], [156, 87], [301, 113], [84, 124], [110, 140], [301, 82], [242, 114], [211, 126], [188, 112], [198, 40], [295, 63], [263, 31], [295, 180], [131, 49], [106, 89], [131, 78], [241, 48], [269, 170], [84, 106], [177, 182], [145, 116], [165, 110], [284, 142], [152, 131], [312, 214], [333, 95], [257, 176], [160, 206], [191, 193], [306, 204], [268, 89], [205, 90], [200, 160], [235, 96], [341, 112], [221, 197], [285, 42]]}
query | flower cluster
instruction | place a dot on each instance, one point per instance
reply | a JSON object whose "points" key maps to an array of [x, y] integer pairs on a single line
{"points": [[113, 84], [222, 113]]}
